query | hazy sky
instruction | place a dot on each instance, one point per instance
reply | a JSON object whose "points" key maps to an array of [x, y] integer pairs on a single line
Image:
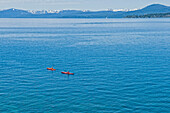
{"points": [[78, 4]]}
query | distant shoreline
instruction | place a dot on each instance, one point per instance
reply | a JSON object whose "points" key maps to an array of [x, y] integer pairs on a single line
{"points": [[157, 15], [151, 11]]}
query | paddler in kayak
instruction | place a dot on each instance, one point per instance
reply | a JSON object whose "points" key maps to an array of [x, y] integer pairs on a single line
{"points": [[67, 73], [52, 69]]}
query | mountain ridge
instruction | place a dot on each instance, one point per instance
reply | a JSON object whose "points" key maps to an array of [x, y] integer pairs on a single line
{"points": [[19, 13]]}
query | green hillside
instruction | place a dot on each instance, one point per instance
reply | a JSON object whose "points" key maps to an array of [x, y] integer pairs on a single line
{"points": [[157, 15]]}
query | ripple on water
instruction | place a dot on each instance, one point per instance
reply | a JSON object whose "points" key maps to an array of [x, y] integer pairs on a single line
{"points": [[120, 65]]}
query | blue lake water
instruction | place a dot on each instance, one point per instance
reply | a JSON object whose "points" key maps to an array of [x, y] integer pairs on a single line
{"points": [[120, 65]]}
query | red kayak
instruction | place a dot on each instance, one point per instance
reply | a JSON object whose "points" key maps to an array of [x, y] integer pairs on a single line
{"points": [[52, 69], [67, 73]]}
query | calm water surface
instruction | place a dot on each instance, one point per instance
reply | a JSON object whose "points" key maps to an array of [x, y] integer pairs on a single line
{"points": [[120, 65]]}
